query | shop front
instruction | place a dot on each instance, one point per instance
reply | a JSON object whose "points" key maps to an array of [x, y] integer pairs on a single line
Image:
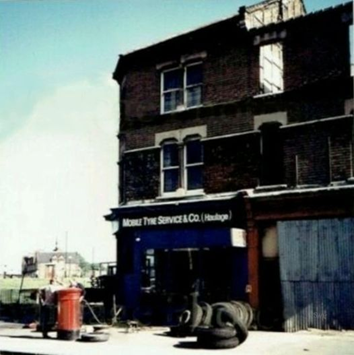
{"points": [[169, 251]]}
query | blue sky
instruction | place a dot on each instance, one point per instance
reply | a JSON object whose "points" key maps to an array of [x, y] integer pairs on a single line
{"points": [[59, 112]]}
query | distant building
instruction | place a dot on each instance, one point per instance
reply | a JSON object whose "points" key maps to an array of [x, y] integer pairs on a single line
{"points": [[46, 265]]}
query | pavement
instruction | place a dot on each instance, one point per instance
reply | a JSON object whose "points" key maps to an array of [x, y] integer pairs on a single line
{"points": [[16, 340]]}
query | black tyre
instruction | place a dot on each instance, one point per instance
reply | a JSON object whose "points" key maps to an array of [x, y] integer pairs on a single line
{"points": [[207, 313], [220, 343], [250, 313], [94, 337], [196, 316], [185, 317], [217, 307], [216, 333], [241, 311], [224, 318]]}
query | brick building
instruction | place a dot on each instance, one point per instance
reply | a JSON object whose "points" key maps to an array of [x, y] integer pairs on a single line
{"points": [[236, 167], [55, 264]]}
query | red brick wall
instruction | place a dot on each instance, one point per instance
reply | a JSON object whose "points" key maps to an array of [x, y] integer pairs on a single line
{"points": [[140, 175], [323, 150], [231, 163], [315, 49]]}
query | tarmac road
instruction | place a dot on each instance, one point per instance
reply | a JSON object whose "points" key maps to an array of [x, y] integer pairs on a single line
{"points": [[14, 340]]}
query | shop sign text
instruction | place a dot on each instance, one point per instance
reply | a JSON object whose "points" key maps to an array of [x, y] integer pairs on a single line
{"points": [[189, 218]]}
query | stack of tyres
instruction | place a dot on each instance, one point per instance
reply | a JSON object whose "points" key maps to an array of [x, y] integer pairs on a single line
{"points": [[227, 330]]}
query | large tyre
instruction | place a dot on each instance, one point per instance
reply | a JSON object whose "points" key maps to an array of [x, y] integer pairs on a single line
{"points": [[207, 313], [185, 317], [241, 311], [250, 313], [221, 306], [224, 318], [196, 316], [216, 333], [219, 343]]}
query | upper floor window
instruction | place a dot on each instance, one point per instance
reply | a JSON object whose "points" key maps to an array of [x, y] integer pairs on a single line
{"points": [[193, 164], [170, 166], [181, 166], [181, 88], [271, 68]]}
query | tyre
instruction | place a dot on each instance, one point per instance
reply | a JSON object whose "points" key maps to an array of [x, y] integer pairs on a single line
{"points": [[94, 337], [216, 333], [185, 317], [196, 316], [224, 318], [207, 313], [241, 311], [250, 313], [222, 306], [220, 343]]}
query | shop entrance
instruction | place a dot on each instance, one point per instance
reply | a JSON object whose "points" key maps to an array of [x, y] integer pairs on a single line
{"points": [[179, 272]]}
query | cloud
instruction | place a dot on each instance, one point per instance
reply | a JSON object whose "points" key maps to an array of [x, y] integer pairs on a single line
{"points": [[59, 174]]}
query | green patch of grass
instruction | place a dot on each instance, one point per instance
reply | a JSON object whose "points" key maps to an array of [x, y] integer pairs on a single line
{"points": [[32, 283]]}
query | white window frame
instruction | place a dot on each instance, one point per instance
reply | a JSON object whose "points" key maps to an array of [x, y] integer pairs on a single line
{"points": [[186, 166], [164, 169], [184, 89], [276, 69], [182, 168]]}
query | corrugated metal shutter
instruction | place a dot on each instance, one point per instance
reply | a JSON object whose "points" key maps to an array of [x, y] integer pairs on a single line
{"points": [[317, 273]]}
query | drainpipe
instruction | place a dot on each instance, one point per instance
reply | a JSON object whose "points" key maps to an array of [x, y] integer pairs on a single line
{"points": [[253, 253]]}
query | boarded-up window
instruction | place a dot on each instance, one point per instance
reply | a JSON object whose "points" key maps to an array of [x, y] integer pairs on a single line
{"points": [[271, 68]]}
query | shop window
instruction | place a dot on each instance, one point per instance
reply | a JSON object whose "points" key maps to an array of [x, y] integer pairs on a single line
{"points": [[181, 166], [181, 88], [148, 270], [271, 68]]}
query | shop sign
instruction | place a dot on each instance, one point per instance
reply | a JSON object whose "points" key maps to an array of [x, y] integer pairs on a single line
{"points": [[168, 220]]}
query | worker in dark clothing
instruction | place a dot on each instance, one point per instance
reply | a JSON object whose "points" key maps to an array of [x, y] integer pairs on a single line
{"points": [[47, 299]]}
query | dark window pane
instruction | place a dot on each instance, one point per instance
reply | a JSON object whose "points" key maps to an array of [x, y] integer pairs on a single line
{"points": [[173, 79], [170, 183], [194, 75], [194, 177], [170, 155], [172, 100], [194, 96], [194, 151]]}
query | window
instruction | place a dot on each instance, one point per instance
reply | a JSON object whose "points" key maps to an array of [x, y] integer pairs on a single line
{"points": [[181, 166], [181, 88], [271, 68], [193, 164], [170, 166]]}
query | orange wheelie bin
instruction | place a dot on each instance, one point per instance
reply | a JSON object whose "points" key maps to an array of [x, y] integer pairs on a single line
{"points": [[69, 314]]}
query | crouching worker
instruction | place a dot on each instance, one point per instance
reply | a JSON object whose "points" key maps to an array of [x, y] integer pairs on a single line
{"points": [[74, 284], [48, 309]]}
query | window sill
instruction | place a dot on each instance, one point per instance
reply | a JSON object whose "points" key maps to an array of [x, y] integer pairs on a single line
{"points": [[179, 195], [268, 94], [180, 110]]}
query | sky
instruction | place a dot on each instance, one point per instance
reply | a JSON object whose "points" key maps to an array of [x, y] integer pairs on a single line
{"points": [[59, 113]]}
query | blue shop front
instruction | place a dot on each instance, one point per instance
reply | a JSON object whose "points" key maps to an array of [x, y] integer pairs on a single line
{"points": [[170, 251]]}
